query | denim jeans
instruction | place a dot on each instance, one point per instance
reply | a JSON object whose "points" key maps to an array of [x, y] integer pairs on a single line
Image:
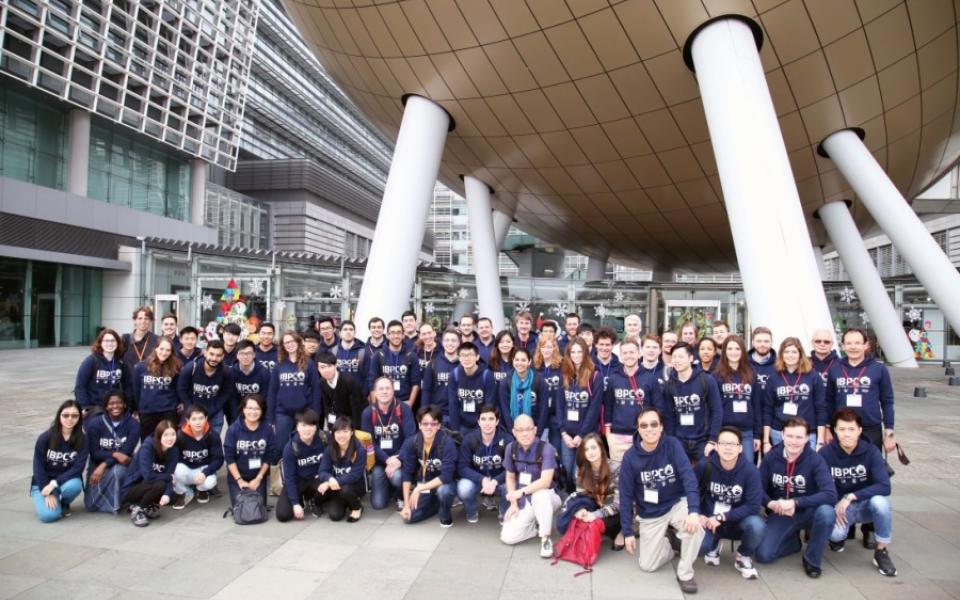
{"points": [[874, 510], [568, 458], [105, 496], [469, 493], [747, 443], [283, 428], [430, 503], [782, 536], [749, 530], [65, 494], [384, 488], [776, 437]]}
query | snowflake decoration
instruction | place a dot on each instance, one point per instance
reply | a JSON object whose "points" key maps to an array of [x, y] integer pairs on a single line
{"points": [[522, 307], [848, 295], [618, 297], [914, 314], [600, 311], [429, 308], [336, 292], [207, 302], [864, 318], [560, 309], [462, 293], [255, 287]]}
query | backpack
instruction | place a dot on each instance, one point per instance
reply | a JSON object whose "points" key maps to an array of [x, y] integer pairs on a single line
{"points": [[580, 544], [249, 509], [537, 458], [670, 387], [367, 440]]}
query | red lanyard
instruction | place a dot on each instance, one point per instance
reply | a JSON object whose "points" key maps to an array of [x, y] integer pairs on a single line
{"points": [[635, 386], [854, 383], [783, 374], [791, 467]]}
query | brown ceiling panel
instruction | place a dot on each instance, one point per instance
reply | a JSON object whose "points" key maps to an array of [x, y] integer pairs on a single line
{"points": [[833, 19], [595, 143], [608, 39]]}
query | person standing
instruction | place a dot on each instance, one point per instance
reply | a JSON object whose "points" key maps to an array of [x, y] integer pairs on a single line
{"points": [[398, 363], [294, 386], [155, 388], [340, 393], [630, 389], [470, 387], [102, 371], [205, 382], [266, 350], [579, 410], [139, 344], [740, 395], [795, 391], [691, 404]]}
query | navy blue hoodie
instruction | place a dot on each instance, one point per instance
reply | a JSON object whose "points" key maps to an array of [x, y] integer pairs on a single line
{"points": [[862, 472], [184, 359], [257, 381], [738, 489], [344, 470], [402, 367], [146, 467], [440, 462], [353, 361], [97, 376], [436, 377], [809, 483], [301, 462], [154, 394], [293, 389], [742, 403], [331, 347], [530, 344], [194, 386], [266, 358], [250, 449], [484, 349], [538, 404], [868, 384], [763, 371], [389, 430], [467, 393], [62, 462], [104, 437], [579, 411], [664, 475], [205, 453], [687, 414], [823, 366], [605, 370], [626, 396], [478, 460], [789, 393], [553, 384]]}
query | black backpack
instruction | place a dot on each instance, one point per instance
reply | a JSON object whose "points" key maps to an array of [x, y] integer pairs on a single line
{"points": [[249, 509]]}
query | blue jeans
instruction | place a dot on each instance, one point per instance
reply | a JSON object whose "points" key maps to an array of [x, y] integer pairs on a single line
{"points": [[283, 428], [105, 496], [65, 494], [782, 536], [568, 458], [551, 433], [430, 503], [468, 492], [776, 437], [216, 422], [749, 530], [874, 510], [384, 488], [747, 443]]}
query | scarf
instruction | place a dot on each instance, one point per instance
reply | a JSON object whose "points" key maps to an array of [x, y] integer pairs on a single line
{"points": [[520, 387]]}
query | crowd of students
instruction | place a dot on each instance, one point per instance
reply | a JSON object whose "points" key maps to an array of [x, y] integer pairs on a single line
{"points": [[658, 436]]}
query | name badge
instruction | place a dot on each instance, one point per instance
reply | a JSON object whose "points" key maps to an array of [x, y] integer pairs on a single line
{"points": [[686, 419], [651, 496], [525, 478], [331, 418], [254, 463], [854, 400], [386, 444], [470, 406], [573, 415], [396, 385], [720, 508], [790, 408], [739, 406]]}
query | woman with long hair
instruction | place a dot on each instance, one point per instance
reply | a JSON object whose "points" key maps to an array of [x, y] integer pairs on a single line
{"points": [[597, 495], [579, 411], [342, 473], [148, 484], [58, 460], [294, 386], [501, 357], [794, 390], [740, 394], [547, 361], [155, 388], [101, 371], [523, 393]]}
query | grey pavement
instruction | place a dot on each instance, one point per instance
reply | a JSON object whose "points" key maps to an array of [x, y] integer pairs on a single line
{"points": [[195, 553]]}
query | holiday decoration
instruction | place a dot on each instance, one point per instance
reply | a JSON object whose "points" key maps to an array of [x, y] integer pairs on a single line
{"points": [[429, 308], [207, 302], [523, 306], [600, 311], [560, 309], [255, 287], [618, 297], [847, 295], [336, 292]]}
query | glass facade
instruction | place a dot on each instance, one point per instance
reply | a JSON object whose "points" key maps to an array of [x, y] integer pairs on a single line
{"points": [[241, 221], [32, 139]]}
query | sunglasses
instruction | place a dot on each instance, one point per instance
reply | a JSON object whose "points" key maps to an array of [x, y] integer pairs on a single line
{"points": [[821, 341], [649, 425]]}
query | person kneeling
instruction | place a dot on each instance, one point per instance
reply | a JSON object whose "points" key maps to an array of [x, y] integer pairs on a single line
{"points": [[112, 437], [58, 459], [201, 456], [300, 468], [799, 494], [342, 473], [530, 464], [429, 463], [657, 479], [597, 495], [148, 484], [481, 465], [730, 492]]}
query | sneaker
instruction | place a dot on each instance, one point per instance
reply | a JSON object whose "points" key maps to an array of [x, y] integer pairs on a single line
{"points": [[489, 503], [869, 539], [137, 517], [399, 504], [881, 560], [215, 492], [151, 511], [446, 523], [837, 546], [179, 502], [713, 557], [473, 519], [546, 548], [317, 509], [744, 564], [689, 586], [65, 510], [811, 571], [456, 502]]}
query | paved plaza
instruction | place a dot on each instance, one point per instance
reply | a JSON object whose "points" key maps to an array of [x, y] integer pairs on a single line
{"points": [[195, 553]]}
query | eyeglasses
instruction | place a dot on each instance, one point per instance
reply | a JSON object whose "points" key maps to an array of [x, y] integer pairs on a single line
{"points": [[429, 424], [524, 429], [70, 415], [649, 425], [728, 444], [821, 341]]}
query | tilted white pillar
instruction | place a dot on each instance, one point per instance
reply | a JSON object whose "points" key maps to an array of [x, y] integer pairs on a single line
{"points": [[392, 263], [892, 213], [780, 277], [501, 225], [821, 265], [199, 172], [866, 280], [78, 164], [486, 253], [596, 268]]}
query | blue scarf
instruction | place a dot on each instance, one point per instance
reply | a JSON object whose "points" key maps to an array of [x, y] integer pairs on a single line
{"points": [[522, 387]]}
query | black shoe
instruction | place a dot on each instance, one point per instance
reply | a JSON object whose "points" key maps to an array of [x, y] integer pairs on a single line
{"points": [[317, 509], [355, 519], [869, 539], [811, 571], [852, 532], [616, 547], [215, 492], [688, 587], [837, 546], [881, 560]]}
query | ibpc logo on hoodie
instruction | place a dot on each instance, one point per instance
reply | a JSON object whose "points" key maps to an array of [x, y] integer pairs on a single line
{"points": [[245, 389], [159, 467], [731, 495], [109, 376], [292, 379], [195, 457], [860, 384], [729, 388], [156, 382], [432, 467], [801, 391], [61, 459], [628, 396], [255, 447], [348, 365], [310, 460], [112, 444], [552, 381], [849, 476], [580, 398], [205, 392], [487, 463], [798, 483], [688, 404], [660, 477], [395, 372]]}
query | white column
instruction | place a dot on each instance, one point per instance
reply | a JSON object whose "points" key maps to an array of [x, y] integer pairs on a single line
{"points": [[780, 277], [78, 163], [866, 280], [892, 213], [485, 251], [199, 171], [596, 268], [821, 266], [501, 225], [392, 263]]}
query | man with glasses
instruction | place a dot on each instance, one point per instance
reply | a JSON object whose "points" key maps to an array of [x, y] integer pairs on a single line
{"points": [[248, 377], [328, 335], [823, 355], [429, 463], [657, 480]]}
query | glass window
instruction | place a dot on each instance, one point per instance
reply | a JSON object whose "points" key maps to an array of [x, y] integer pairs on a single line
{"points": [[32, 139]]}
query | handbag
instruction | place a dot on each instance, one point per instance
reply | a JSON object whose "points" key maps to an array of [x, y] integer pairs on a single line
{"points": [[580, 544]]}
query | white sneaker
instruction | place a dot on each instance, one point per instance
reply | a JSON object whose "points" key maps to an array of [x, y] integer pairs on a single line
{"points": [[744, 564], [546, 547], [713, 557]]}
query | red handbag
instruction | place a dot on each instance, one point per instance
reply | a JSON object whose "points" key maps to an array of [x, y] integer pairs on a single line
{"points": [[580, 544]]}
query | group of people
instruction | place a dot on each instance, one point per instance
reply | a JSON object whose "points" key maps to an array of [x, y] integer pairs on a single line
{"points": [[658, 436]]}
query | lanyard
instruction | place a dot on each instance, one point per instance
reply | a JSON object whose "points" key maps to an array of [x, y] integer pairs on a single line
{"points": [[139, 352], [854, 383], [423, 461], [389, 416], [791, 468], [634, 386], [783, 374]]}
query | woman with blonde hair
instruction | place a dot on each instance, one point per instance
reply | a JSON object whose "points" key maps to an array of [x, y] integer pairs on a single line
{"points": [[546, 362], [794, 390], [579, 411]]}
